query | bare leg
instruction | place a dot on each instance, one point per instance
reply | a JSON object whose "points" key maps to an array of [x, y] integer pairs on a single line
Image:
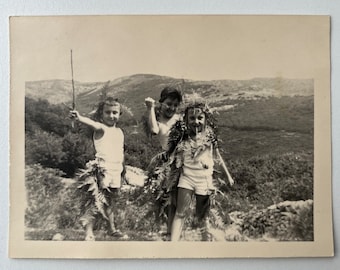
{"points": [[171, 215], [89, 232], [111, 211], [171, 211], [176, 229], [202, 210], [183, 203], [111, 216]]}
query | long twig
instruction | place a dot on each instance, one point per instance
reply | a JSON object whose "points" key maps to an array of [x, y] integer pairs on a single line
{"points": [[73, 93]]}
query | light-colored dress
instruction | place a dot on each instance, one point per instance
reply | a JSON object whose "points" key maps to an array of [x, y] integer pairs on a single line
{"points": [[110, 155]]}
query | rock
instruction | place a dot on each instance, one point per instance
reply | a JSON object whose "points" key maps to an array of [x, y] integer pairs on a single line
{"points": [[58, 237], [135, 176], [233, 234], [125, 237]]}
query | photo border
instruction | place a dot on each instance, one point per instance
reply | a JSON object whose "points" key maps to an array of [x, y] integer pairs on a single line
{"points": [[322, 246]]}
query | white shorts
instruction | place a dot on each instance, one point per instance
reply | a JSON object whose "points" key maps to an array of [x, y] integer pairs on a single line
{"points": [[201, 185], [112, 176]]}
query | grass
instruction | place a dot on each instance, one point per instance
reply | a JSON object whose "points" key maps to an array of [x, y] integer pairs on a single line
{"points": [[253, 132], [239, 144], [79, 235]]}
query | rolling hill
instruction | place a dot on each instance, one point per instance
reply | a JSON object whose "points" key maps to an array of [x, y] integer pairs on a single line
{"points": [[131, 90]]}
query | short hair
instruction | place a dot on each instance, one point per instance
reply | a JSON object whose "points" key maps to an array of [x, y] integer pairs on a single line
{"points": [[170, 92], [109, 101]]}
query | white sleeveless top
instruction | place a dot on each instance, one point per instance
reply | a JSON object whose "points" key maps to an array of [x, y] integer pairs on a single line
{"points": [[201, 165], [110, 152]]}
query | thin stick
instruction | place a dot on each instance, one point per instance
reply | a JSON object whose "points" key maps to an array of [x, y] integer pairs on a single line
{"points": [[73, 93], [230, 179]]}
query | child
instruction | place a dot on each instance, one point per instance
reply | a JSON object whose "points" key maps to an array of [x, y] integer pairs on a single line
{"points": [[194, 144], [160, 121], [103, 176]]}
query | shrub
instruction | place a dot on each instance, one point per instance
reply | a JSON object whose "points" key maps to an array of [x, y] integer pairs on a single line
{"points": [[270, 179], [286, 221], [78, 150], [302, 226], [42, 192], [44, 148]]}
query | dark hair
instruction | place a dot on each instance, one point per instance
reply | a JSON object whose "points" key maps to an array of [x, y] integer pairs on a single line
{"points": [[210, 119], [110, 101], [179, 131], [170, 92]]}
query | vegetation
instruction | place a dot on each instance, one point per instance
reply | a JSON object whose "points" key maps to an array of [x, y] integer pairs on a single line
{"points": [[267, 144]]}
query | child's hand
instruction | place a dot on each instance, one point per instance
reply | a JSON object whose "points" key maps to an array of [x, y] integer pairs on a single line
{"points": [[149, 102], [74, 114]]}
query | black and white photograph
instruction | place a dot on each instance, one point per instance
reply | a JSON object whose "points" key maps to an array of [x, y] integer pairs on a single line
{"points": [[170, 136]]}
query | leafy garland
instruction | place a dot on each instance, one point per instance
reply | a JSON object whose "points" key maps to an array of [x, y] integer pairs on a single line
{"points": [[94, 198], [165, 168]]}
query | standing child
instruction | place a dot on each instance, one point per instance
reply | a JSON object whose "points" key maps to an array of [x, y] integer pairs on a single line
{"points": [[102, 179], [193, 153], [159, 121]]}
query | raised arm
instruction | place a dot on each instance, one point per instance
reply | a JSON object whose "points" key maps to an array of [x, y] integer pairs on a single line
{"points": [[152, 121], [85, 120], [221, 162]]}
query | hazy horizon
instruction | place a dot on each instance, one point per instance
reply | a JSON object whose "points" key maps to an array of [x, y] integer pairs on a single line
{"points": [[227, 79]]}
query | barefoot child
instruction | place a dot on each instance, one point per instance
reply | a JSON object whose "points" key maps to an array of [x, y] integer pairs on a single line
{"points": [[102, 179], [193, 154], [159, 121]]}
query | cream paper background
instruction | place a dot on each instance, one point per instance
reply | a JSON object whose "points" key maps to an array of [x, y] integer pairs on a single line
{"points": [[309, 37]]}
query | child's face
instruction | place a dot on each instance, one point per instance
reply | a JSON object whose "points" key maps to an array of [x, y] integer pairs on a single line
{"points": [[169, 107], [111, 114], [196, 121]]}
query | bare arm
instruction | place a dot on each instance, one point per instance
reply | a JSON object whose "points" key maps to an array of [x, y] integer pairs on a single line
{"points": [[85, 120], [221, 161], [152, 121]]}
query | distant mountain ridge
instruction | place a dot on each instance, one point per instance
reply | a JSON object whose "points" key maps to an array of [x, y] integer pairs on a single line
{"points": [[131, 90]]}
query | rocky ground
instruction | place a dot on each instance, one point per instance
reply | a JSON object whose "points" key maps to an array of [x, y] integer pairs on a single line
{"points": [[285, 221]]}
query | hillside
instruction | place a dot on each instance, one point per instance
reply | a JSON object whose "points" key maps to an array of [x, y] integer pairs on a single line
{"points": [[58, 91], [131, 90], [266, 137]]}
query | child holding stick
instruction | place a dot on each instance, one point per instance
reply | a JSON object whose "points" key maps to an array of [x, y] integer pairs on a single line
{"points": [[102, 177]]}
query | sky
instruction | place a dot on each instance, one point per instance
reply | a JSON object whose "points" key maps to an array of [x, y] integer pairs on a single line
{"points": [[190, 47]]}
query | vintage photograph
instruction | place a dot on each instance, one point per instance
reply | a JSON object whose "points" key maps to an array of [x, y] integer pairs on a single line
{"points": [[175, 130]]}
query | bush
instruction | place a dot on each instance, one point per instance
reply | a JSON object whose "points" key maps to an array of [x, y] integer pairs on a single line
{"points": [[302, 226], [139, 149], [52, 201], [270, 179], [42, 192], [294, 189], [286, 221], [78, 150], [44, 148]]}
